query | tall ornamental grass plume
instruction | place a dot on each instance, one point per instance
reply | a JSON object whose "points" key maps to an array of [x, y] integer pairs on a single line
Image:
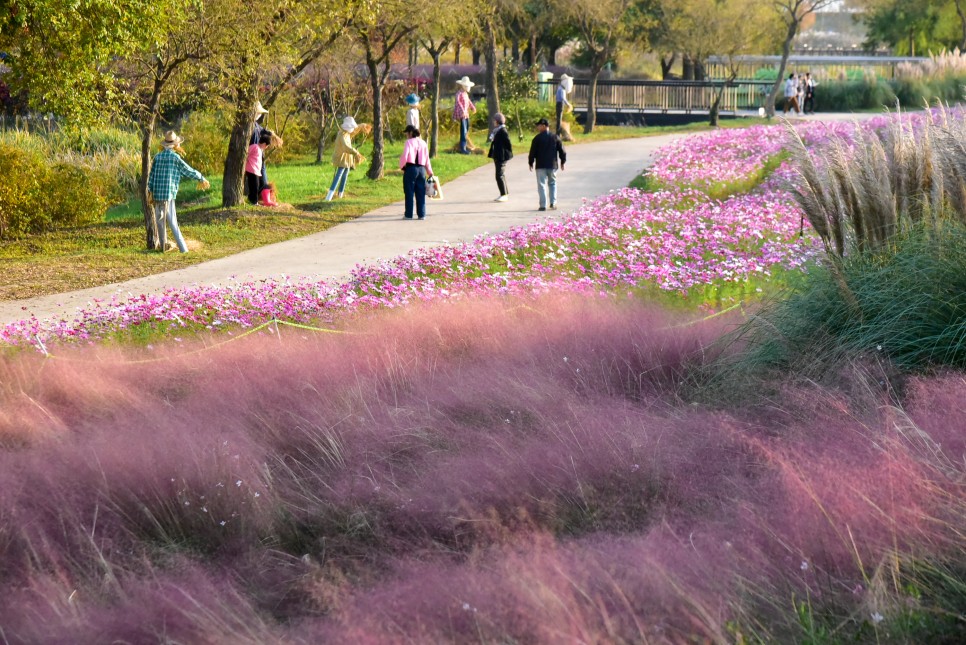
{"points": [[489, 470], [859, 193]]}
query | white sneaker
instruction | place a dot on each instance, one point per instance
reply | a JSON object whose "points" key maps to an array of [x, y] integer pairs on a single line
{"points": [[501, 198]]}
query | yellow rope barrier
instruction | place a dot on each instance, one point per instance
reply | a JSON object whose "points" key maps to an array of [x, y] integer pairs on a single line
{"points": [[248, 332]]}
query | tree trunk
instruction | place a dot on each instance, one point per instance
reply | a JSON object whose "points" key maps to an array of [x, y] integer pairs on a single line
{"points": [[147, 129], [667, 64], [377, 164], [532, 50], [515, 50], [457, 50], [962, 24], [434, 119], [687, 68], [476, 55], [716, 105], [492, 90], [591, 120], [786, 52], [232, 188]]}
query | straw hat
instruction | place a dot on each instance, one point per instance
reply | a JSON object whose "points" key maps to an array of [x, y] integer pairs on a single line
{"points": [[466, 82], [349, 124], [412, 99], [259, 109], [171, 139]]}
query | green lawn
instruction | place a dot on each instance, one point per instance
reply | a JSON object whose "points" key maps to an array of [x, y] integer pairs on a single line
{"points": [[113, 250]]}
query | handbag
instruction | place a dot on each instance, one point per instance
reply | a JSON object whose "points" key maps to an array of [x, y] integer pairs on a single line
{"points": [[434, 189]]}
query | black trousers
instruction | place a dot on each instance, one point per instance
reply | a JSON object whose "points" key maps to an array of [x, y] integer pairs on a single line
{"points": [[559, 117], [501, 177], [809, 103], [253, 186]]}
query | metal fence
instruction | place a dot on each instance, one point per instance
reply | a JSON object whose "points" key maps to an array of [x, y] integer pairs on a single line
{"points": [[678, 97]]}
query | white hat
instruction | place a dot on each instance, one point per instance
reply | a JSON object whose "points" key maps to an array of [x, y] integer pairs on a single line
{"points": [[567, 82], [259, 109], [171, 139], [349, 124], [466, 82]]}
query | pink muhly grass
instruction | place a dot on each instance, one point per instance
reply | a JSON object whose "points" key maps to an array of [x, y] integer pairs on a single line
{"points": [[536, 460]]}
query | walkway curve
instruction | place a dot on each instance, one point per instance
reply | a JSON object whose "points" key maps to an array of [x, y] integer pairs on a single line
{"points": [[468, 210]]}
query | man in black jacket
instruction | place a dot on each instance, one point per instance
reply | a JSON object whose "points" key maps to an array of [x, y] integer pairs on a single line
{"points": [[544, 151], [501, 151]]}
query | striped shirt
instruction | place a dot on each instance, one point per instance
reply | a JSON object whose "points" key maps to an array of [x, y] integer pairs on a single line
{"points": [[167, 169], [463, 106]]}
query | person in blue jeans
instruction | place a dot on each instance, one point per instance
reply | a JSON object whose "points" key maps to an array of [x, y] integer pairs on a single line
{"points": [[416, 167], [544, 151]]}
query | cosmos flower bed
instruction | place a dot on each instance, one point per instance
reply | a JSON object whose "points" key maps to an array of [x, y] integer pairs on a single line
{"points": [[677, 239]]}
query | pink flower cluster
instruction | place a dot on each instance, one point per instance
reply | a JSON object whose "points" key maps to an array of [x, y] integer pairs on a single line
{"points": [[673, 240]]}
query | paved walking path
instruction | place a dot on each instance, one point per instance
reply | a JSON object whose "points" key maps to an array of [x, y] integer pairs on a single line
{"points": [[468, 210]]}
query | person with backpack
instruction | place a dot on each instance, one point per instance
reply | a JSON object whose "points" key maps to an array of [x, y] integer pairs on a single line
{"points": [[501, 151]]}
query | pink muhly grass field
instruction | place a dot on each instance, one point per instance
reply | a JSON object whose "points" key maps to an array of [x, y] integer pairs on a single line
{"points": [[491, 470]]}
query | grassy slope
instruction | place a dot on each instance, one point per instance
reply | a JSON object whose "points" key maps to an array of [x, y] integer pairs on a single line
{"points": [[112, 251]]}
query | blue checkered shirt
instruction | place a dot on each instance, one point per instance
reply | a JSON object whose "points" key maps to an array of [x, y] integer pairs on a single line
{"points": [[167, 169]]}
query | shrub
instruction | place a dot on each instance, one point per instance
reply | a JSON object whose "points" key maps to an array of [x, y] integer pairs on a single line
{"points": [[24, 177], [849, 95], [206, 140], [76, 196], [37, 196]]}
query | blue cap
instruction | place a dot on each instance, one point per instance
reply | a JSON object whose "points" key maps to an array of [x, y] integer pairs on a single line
{"points": [[412, 99]]}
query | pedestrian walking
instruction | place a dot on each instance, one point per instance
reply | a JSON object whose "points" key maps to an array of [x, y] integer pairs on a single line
{"points": [[462, 110], [416, 167], [545, 149], [344, 157], [791, 95], [501, 151], [167, 169], [809, 105]]}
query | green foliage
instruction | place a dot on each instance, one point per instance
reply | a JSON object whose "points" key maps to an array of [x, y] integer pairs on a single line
{"points": [[36, 196], [206, 140], [846, 96], [914, 93], [906, 305]]}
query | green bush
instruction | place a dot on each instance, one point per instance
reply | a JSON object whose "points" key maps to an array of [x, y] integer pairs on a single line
{"points": [[76, 196], [24, 178], [205, 141], [37, 196], [907, 305], [847, 96], [915, 93]]}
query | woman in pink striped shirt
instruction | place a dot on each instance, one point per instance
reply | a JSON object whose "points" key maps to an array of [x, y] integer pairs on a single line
{"points": [[416, 167]]}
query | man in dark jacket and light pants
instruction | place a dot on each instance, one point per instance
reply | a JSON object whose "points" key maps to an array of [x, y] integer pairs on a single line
{"points": [[544, 151], [501, 151]]}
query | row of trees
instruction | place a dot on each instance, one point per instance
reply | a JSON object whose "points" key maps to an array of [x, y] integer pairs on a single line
{"points": [[85, 59]]}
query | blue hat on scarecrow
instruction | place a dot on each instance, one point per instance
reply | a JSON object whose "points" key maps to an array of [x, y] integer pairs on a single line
{"points": [[412, 99]]}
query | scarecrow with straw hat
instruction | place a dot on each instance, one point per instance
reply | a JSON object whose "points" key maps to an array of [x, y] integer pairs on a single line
{"points": [[412, 115], [462, 110], [566, 86], [257, 132], [345, 157], [167, 169]]}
